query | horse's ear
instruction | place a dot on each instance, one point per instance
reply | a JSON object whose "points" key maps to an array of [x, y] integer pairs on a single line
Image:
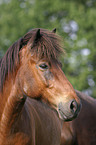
{"points": [[54, 30], [36, 35], [34, 38]]}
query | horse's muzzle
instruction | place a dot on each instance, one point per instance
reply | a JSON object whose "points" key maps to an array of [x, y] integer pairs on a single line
{"points": [[68, 111]]}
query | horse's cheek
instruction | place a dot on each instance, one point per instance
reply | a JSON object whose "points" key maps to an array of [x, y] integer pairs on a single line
{"points": [[21, 81]]}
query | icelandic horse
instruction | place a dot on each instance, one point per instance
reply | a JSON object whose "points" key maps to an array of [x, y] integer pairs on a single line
{"points": [[82, 130], [30, 70]]}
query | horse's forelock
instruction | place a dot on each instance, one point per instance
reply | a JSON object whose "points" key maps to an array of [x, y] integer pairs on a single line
{"points": [[46, 44]]}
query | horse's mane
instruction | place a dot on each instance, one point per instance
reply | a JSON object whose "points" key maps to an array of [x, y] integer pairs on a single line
{"points": [[48, 45]]}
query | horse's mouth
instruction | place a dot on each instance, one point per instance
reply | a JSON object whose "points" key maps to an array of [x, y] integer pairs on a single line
{"points": [[67, 117]]}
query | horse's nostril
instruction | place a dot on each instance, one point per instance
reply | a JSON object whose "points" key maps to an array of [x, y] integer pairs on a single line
{"points": [[73, 106]]}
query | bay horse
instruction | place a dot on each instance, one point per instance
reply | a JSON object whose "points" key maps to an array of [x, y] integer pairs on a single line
{"points": [[82, 130], [31, 69]]}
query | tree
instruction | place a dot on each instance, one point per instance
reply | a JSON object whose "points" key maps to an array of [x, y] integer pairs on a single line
{"points": [[75, 22]]}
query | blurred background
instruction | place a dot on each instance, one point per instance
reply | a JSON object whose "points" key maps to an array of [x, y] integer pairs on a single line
{"points": [[75, 21]]}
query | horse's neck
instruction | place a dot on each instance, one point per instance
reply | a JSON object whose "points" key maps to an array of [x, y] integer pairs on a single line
{"points": [[85, 97], [6, 93], [11, 106]]}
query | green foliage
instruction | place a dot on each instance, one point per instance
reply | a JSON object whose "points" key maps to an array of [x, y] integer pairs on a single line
{"points": [[75, 22]]}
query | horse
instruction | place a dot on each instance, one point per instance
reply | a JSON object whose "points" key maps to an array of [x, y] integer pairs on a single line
{"points": [[82, 130], [31, 69]]}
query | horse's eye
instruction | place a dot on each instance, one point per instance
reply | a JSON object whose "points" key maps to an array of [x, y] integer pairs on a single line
{"points": [[43, 66]]}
